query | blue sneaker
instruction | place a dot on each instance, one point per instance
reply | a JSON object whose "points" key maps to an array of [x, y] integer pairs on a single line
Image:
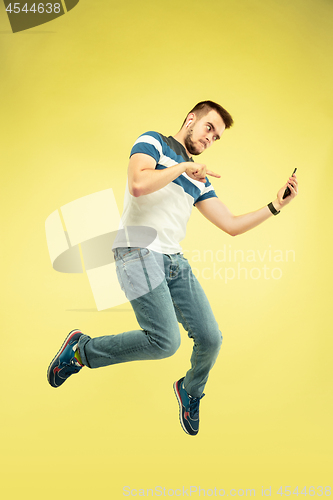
{"points": [[64, 364], [188, 408]]}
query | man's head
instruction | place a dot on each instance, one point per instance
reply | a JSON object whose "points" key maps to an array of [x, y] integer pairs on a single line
{"points": [[204, 125]]}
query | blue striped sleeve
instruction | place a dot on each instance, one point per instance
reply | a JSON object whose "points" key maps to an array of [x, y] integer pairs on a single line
{"points": [[148, 144], [206, 196], [207, 193]]}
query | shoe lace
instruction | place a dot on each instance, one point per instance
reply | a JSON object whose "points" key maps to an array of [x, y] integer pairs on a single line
{"points": [[71, 367], [194, 406]]}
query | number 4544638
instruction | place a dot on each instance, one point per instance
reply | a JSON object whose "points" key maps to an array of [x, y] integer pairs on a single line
{"points": [[311, 490], [35, 8]]}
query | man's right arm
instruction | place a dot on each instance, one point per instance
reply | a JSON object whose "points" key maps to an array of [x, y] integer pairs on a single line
{"points": [[143, 178]]}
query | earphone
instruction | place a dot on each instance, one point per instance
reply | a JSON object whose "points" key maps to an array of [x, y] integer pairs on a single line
{"points": [[189, 123]]}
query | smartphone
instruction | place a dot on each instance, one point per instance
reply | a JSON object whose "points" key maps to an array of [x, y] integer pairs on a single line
{"points": [[287, 191]]}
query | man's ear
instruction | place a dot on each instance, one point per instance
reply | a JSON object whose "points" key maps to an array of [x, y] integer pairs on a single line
{"points": [[190, 119]]}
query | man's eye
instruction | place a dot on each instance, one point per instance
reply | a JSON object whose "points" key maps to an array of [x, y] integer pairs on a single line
{"points": [[208, 127]]}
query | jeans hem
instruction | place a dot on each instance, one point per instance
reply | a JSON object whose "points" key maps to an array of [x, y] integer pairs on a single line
{"points": [[81, 346]]}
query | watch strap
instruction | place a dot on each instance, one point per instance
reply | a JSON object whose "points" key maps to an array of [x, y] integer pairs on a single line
{"points": [[273, 209]]}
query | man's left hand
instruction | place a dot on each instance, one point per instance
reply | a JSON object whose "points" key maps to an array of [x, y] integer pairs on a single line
{"points": [[292, 184]]}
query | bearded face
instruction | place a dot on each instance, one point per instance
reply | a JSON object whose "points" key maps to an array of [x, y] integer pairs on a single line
{"points": [[192, 148], [202, 132]]}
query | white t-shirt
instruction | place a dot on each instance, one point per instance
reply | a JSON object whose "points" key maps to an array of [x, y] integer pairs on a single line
{"points": [[158, 220]]}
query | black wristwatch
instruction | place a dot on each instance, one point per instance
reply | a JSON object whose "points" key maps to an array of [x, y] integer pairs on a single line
{"points": [[273, 209]]}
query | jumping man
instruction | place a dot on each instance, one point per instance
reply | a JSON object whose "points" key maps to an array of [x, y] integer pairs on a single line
{"points": [[163, 185]]}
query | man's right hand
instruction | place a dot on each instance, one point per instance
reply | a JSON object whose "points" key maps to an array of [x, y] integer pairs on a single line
{"points": [[198, 172], [144, 178]]}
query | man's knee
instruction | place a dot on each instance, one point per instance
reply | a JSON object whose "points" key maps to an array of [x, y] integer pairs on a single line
{"points": [[166, 345], [171, 345], [213, 341]]}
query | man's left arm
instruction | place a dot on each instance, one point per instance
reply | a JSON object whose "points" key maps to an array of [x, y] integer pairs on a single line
{"points": [[219, 214]]}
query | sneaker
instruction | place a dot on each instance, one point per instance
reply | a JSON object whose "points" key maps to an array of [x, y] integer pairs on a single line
{"points": [[188, 408], [64, 364]]}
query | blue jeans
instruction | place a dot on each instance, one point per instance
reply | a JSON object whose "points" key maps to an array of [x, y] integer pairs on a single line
{"points": [[163, 291]]}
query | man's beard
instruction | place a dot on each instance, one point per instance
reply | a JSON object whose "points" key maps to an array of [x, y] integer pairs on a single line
{"points": [[191, 148]]}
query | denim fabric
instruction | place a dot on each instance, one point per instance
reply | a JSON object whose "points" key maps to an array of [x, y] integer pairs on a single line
{"points": [[163, 291]]}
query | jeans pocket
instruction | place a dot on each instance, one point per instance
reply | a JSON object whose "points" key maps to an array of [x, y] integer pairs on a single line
{"points": [[139, 271], [131, 272], [119, 278], [132, 254]]}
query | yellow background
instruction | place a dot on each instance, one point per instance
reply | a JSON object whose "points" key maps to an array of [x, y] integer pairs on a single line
{"points": [[75, 94]]}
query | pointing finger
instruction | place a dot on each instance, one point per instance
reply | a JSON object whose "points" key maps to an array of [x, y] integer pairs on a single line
{"points": [[213, 174]]}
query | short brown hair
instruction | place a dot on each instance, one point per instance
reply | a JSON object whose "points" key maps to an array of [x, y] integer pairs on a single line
{"points": [[202, 108]]}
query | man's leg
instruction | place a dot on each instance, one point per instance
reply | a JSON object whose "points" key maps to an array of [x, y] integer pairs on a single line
{"points": [[141, 275], [195, 314]]}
